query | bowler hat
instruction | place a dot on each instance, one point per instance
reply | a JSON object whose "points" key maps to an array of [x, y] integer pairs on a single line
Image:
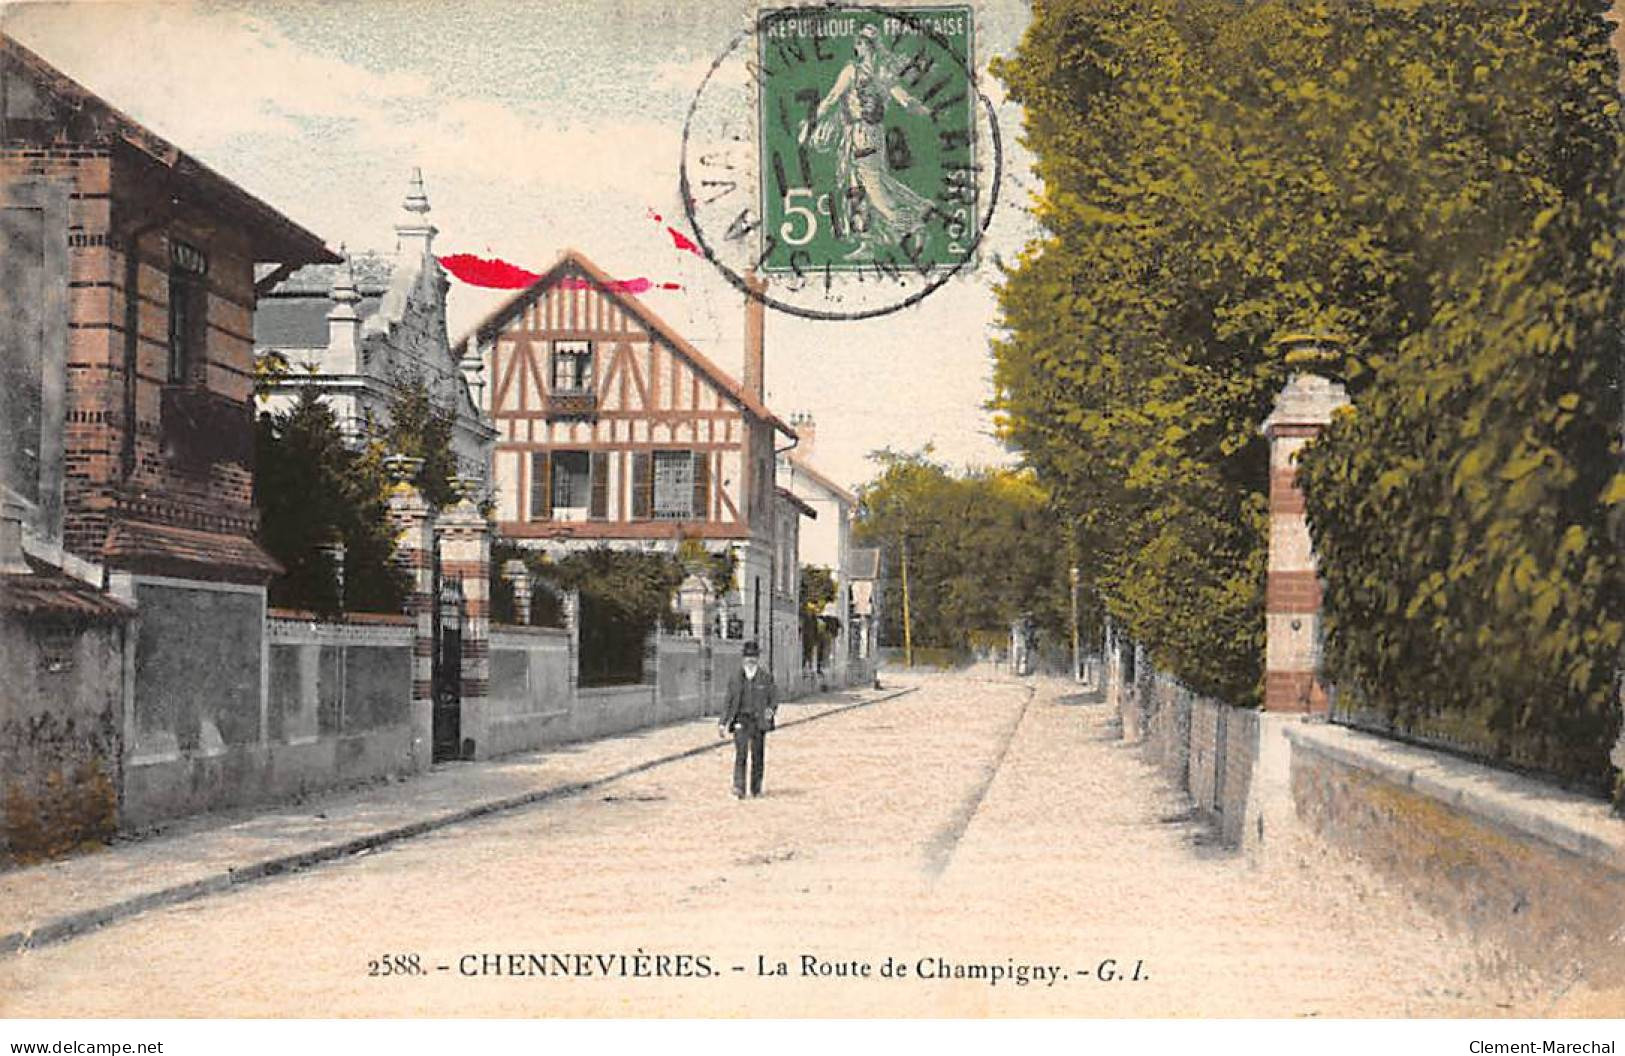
{"points": [[752, 649]]}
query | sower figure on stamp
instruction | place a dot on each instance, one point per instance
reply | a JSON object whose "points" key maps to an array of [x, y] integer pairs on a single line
{"points": [[748, 716]]}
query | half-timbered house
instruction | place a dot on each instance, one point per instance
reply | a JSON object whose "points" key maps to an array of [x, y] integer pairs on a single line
{"points": [[614, 430]]}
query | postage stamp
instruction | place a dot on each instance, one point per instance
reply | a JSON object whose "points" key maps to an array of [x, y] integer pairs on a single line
{"points": [[840, 162]]}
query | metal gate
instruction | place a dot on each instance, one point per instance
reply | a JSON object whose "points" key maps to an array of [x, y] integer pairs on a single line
{"points": [[448, 672]]}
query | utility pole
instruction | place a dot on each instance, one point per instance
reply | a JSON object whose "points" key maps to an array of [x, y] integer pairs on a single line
{"points": [[908, 627], [1077, 661]]}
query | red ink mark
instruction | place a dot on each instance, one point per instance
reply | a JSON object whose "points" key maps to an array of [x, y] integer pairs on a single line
{"points": [[500, 275], [492, 274], [682, 241], [678, 239], [570, 282]]}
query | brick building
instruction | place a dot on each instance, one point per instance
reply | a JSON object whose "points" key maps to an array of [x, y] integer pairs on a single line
{"points": [[128, 282], [127, 296]]}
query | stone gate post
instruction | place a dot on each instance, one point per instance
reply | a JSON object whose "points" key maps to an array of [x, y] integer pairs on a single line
{"points": [[465, 556], [1292, 592], [413, 522], [1292, 686], [517, 573]]}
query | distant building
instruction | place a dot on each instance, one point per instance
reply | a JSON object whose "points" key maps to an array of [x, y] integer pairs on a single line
{"points": [[784, 652], [357, 331], [614, 430], [827, 541], [866, 584]]}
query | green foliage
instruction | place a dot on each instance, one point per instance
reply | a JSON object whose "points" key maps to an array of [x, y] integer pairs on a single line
{"points": [[421, 428], [625, 595], [984, 548], [719, 568], [1434, 182], [817, 630], [313, 491]]}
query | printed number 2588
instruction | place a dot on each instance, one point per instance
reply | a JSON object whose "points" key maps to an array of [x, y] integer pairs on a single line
{"points": [[396, 964]]}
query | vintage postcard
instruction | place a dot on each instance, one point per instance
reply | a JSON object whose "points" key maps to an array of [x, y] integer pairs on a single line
{"points": [[616, 509]]}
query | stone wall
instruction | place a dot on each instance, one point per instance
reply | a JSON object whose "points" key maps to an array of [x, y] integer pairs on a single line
{"points": [[1535, 874], [679, 674], [336, 708], [530, 688], [1203, 747], [61, 713]]}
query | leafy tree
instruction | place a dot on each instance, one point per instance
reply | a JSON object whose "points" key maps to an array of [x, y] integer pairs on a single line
{"points": [[1219, 174], [984, 548], [420, 428], [817, 630], [313, 491]]}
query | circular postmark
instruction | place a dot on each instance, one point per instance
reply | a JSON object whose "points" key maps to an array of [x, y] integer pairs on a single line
{"points": [[840, 161]]}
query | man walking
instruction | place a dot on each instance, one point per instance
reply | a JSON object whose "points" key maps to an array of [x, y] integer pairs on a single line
{"points": [[748, 716]]}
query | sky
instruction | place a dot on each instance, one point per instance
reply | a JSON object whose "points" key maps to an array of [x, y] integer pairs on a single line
{"points": [[539, 125]]}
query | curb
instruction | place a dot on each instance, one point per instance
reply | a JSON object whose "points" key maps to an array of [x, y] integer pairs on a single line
{"points": [[63, 928]]}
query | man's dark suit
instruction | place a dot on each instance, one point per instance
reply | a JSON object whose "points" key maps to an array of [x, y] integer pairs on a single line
{"points": [[748, 716]]}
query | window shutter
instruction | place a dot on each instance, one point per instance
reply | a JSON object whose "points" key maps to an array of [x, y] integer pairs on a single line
{"points": [[702, 486], [541, 486], [643, 485], [600, 486]]}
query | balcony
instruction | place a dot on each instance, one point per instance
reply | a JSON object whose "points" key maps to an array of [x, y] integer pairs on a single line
{"points": [[572, 404]]}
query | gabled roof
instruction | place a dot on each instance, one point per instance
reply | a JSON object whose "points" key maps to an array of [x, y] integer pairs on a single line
{"points": [[570, 259], [277, 238], [863, 563], [806, 469], [794, 500]]}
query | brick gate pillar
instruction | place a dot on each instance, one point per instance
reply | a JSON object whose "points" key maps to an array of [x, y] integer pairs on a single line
{"points": [[517, 573], [413, 521], [1292, 594], [465, 556]]}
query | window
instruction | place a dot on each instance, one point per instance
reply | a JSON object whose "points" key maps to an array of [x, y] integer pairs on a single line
{"points": [[564, 484], [674, 484], [571, 479], [188, 307], [572, 366], [671, 485]]}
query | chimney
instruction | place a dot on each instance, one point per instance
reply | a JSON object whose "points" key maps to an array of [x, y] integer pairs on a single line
{"points": [[414, 234], [807, 429], [344, 322], [755, 325]]}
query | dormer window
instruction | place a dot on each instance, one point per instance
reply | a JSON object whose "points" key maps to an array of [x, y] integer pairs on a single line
{"points": [[572, 366]]}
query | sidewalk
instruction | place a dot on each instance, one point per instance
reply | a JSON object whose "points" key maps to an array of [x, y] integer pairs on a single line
{"points": [[48, 903]]}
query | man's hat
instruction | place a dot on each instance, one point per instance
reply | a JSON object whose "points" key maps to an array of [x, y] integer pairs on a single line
{"points": [[752, 649]]}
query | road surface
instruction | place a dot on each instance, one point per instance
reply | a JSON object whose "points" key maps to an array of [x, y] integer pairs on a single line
{"points": [[980, 846]]}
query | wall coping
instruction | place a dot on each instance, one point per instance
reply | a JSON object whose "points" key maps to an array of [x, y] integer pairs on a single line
{"points": [[387, 619], [1576, 823], [519, 629], [285, 630]]}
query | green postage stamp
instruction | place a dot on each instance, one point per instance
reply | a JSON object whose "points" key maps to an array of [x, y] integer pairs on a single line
{"points": [[867, 130]]}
